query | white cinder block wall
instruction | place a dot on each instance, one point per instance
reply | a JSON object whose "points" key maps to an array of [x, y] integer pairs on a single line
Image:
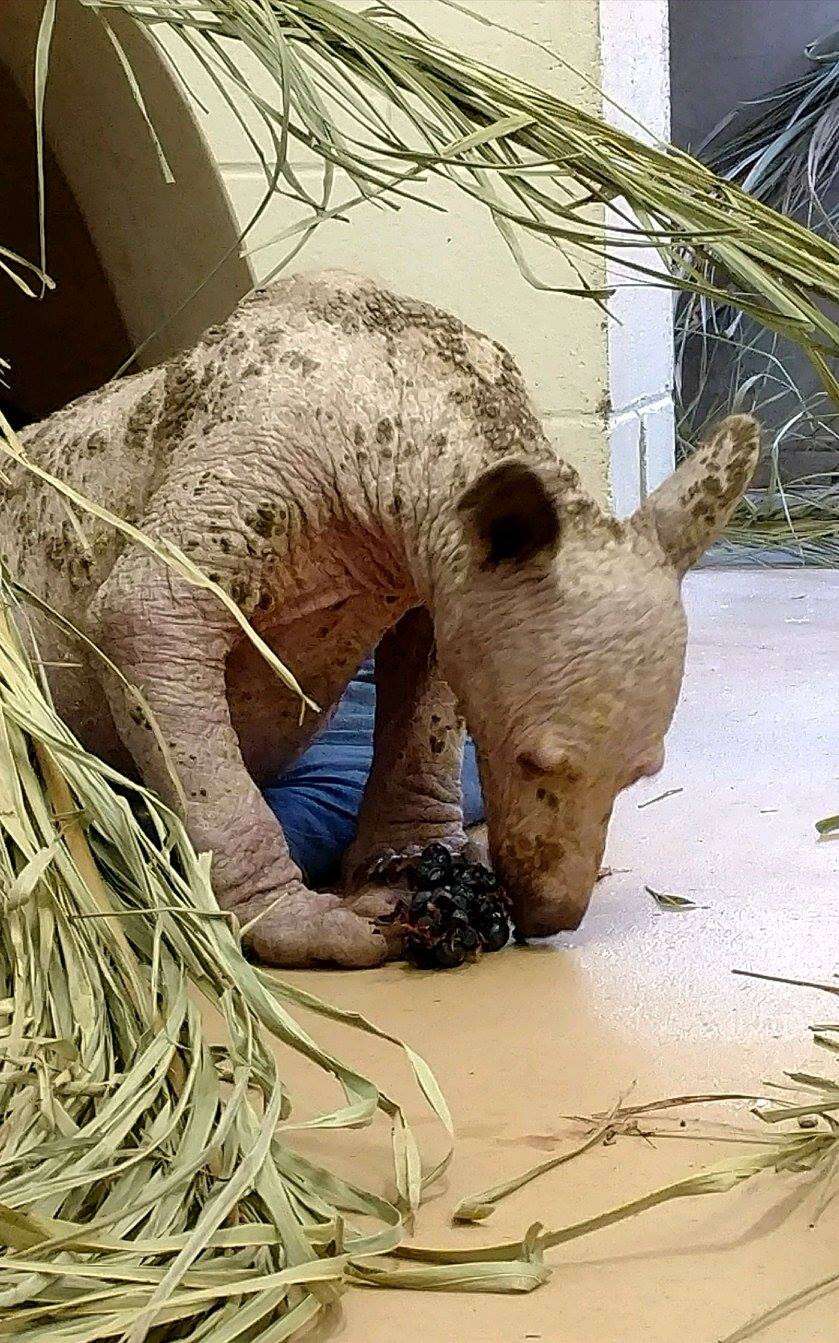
{"points": [[603, 386], [635, 76]]}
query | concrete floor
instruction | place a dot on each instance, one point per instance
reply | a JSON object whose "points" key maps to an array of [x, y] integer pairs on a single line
{"points": [[646, 1000]]}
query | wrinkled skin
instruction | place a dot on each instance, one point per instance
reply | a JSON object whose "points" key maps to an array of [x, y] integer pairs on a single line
{"points": [[359, 471]]}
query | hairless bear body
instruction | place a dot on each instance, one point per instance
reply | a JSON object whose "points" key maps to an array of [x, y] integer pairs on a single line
{"points": [[361, 471]]}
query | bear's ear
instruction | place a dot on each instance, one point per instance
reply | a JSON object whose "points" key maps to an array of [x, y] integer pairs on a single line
{"points": [[510, 514], [689, 510]]}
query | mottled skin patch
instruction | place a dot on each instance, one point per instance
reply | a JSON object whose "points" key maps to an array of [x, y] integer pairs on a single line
{"points": [[331, 456]]}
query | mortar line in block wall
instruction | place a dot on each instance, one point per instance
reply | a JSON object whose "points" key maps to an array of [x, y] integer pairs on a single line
{"points": [[641, 405], [643, 486]]}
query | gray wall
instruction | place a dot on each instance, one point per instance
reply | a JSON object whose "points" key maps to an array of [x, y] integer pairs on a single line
{"points": [[724, 51]]}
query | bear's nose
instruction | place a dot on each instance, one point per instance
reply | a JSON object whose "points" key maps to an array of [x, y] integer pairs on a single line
{"points": [[554, 900], [545, 918]]}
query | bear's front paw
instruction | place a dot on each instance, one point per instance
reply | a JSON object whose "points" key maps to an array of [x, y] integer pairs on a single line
{"points": [[297, 928]]}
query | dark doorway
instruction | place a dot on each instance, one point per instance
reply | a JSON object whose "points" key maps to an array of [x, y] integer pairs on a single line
{"points": [[75, 338]]}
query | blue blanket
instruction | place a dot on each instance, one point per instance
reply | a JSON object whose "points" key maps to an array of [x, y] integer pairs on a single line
{"points": [[317, 801]]}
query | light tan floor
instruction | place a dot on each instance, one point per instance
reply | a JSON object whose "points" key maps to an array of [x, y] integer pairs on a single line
{"points": [[643, 998]]}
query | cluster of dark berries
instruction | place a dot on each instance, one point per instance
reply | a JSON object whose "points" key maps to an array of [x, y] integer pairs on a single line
{"points": [[455, 908]]}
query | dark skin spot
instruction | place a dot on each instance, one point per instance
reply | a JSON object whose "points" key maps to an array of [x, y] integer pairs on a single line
{"points": [[358, 436], [384, 431], [262, 521], [548, 856], [183, 396], [139, 422]]}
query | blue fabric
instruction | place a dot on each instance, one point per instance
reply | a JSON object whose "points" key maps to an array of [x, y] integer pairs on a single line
{"points": [[317, 801]]}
